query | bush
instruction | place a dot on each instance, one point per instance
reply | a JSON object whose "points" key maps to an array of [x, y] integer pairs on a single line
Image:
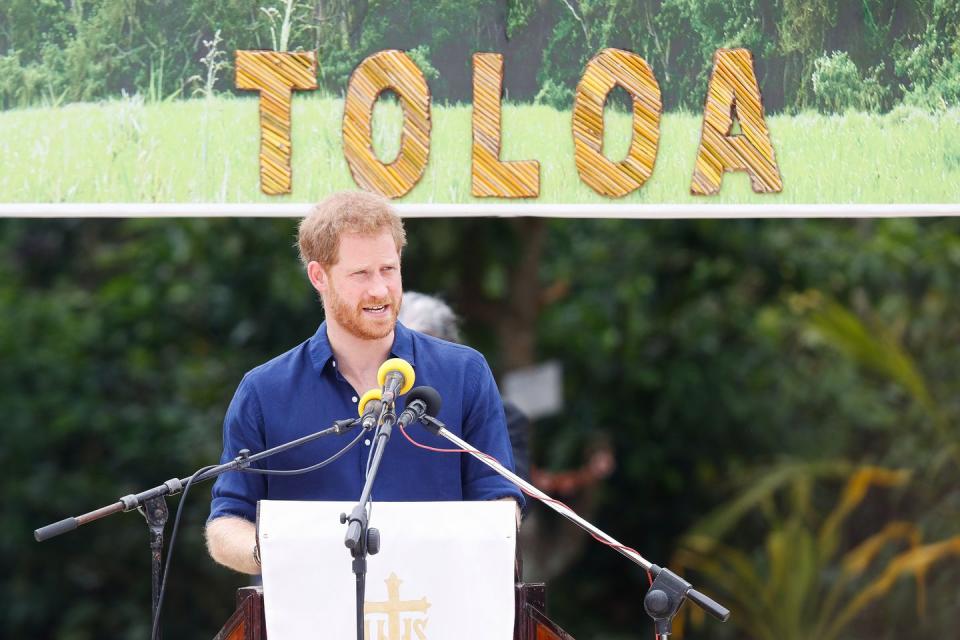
{"points": [[932, 67], [22, 85], [934, 80], [838, 86], [555, 94]]}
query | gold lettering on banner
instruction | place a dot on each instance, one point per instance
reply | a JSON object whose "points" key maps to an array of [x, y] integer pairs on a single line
{"points": [[733, 92], [414, 628], [491, 176], [387, 70], [608, 69], [275, 75]]}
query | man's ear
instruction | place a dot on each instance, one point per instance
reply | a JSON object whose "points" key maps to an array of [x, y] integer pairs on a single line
{"points": [[318, 276]]}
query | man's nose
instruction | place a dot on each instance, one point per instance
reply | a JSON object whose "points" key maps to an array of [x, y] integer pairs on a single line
{"points": [[378, 287]]}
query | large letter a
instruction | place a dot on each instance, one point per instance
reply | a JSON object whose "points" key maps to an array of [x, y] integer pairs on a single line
{"points": [[733, 91]]}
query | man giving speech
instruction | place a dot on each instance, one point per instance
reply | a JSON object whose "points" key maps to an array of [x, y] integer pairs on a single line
{"points": [[350, 245]]}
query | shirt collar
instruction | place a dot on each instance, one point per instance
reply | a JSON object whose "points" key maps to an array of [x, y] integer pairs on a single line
{"points": [[321, 352], [403, 344]]}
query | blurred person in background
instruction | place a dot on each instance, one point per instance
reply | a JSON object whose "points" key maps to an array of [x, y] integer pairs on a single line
{"points": [[548, 550], [434, 317]]}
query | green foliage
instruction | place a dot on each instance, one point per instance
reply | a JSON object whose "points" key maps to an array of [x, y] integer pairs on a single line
{"points": [[697, 325], [803, 29], [519, 14], [91, 50], [841, 567], [421, 56], [932, 67], [214, 61], [132, 151], [837, 85], [122, 342], [22, 86], [96, 319], [281, 22], [808, 583], [559, 96], [697, 29]]}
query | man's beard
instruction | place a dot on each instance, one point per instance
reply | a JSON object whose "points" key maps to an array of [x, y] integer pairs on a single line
{"points": [[353, 320]]}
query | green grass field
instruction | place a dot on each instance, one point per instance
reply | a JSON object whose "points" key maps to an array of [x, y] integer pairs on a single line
{"points": [[206, 151]]}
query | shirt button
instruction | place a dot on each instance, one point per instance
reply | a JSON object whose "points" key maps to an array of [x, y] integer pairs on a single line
{"points": [[334, 363], [366, 442], [354, 398]]}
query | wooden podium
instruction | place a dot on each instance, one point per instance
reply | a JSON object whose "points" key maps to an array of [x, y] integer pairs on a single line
{"points": [[531, 621]]}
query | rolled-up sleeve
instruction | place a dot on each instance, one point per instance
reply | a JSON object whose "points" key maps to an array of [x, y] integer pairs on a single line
{"points": [[485, 427], [236, 493]]}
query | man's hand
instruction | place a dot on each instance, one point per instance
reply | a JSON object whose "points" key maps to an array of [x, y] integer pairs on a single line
{"points": [[231, 541]]}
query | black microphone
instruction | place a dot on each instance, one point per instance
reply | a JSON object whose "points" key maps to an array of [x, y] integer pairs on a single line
{"points": [[369, 408], [396, 377], [421, 401]]}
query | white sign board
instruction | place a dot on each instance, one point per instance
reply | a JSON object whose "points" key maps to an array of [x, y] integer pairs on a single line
{"points": [[537, 391], [445, 570]]}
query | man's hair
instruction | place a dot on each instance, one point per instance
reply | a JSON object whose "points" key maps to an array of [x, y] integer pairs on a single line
{"points": [[429, 315], [358, 212]]}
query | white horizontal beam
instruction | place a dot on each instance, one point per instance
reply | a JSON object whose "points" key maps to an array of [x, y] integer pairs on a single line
{"points": [[496, 210]]}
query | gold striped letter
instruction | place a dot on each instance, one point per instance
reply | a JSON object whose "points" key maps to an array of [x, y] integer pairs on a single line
{"points": [[733, 92], [275, 75], [381, 71], [609, 68], [491, 177]]}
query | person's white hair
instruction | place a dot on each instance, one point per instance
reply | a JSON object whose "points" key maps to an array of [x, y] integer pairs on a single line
{"points": [[429, 315]]}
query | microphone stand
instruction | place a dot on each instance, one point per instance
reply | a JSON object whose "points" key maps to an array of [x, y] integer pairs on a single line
{"points": [[156, 513], [668, 590], [154, 509], [360, 538]]}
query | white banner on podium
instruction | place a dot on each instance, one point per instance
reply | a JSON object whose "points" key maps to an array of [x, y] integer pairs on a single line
{"points": [[445, 570]]}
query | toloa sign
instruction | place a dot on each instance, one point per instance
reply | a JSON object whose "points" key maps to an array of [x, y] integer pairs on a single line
{"points": [[632, 110], [733, 96]]}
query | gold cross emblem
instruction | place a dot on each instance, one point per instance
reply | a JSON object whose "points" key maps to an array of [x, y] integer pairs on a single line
{"points": [[393, 606]]}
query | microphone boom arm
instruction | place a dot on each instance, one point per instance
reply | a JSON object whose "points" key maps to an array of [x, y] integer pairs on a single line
{"points": [[668, 590], [175, 485]]}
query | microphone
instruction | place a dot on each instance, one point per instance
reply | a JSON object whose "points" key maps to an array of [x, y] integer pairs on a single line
{"points": [[396, 377], [369, 408], [421, 401]]}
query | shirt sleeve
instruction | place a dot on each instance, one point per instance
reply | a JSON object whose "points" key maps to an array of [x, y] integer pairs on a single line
{"points": [[485, 427], [236, 493]]}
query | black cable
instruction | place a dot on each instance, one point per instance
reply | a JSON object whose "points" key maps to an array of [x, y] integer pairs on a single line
{"points": [[319, 465], [176, 521]]}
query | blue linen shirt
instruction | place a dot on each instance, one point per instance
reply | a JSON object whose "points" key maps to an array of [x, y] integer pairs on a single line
{"points": [[301, 392]]}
